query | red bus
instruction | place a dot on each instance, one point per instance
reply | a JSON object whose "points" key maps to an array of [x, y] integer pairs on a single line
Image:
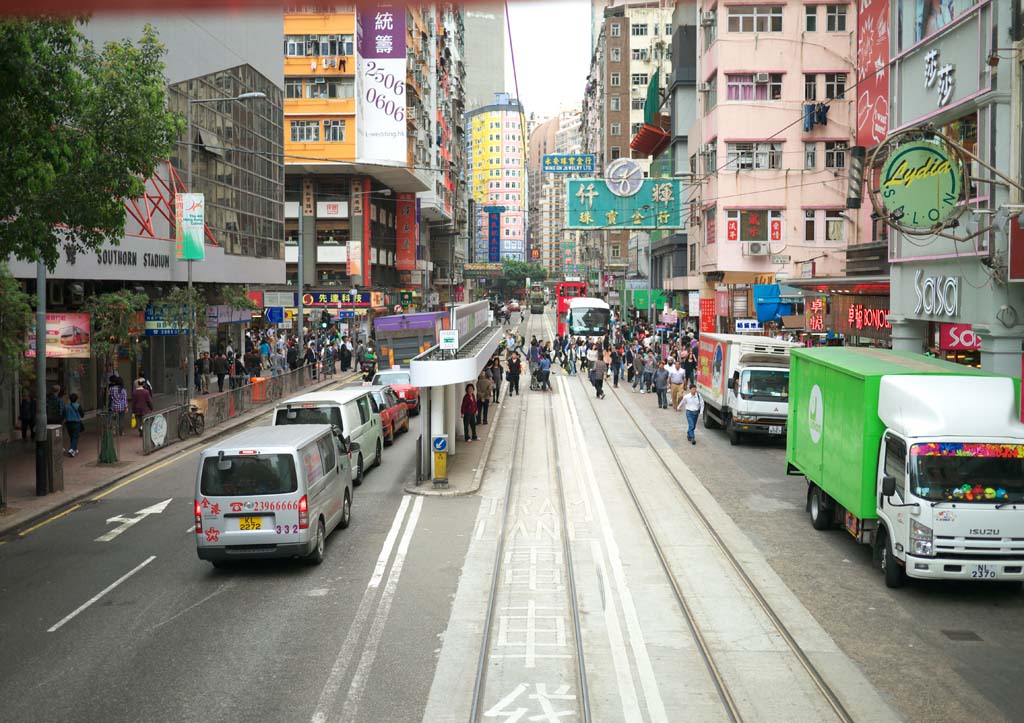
{"points": [[564, 293]]}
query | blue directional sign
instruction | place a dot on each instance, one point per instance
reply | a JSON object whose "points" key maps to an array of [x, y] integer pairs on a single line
{"points": [[440, 444], [568, 163], [274, 314]]}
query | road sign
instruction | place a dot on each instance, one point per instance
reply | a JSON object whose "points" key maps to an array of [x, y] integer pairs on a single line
{"points": [[450, 339], [440, 444], [273, 314]]}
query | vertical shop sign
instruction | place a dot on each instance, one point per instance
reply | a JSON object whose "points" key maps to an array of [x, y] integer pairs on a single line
{"points": [[872, 72], [493, 237], [707, 316], [190, 226], [405, 233], [814, 314], [355, 242], [367, 232], [381, 134]]}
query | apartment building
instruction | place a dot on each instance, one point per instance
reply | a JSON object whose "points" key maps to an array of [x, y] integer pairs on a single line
{"points": [[548, 241]]}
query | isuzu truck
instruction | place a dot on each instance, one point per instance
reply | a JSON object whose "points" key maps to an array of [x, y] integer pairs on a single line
{"points": [[920, 458], [745, 384]]}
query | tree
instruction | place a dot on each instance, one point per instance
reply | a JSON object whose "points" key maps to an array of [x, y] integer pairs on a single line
{"points": [[514, 274], [79, 131], [113, 318], [15, 322]]}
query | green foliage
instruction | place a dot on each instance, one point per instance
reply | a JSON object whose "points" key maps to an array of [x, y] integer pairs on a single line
{"points": [[235, 297], [15, 321], [514, 274], [186, 309], [80, 129], [113, 320]]}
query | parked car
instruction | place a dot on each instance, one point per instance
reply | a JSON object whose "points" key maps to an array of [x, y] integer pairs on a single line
{"points": [[401, 381], [394, 415]]}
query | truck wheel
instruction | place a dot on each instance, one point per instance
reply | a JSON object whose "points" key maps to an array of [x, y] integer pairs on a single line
{"points": [[821, 512], [709, 423], [734, 437], [895, 575]]}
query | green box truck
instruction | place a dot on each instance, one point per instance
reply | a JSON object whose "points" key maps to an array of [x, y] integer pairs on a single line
{"points": [[920, 458]]}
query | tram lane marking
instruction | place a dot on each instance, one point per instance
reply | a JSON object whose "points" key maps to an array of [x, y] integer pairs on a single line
{"points": [[74, 613], [637, 642]]}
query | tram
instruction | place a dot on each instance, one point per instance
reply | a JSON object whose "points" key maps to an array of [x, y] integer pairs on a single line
{"points": [[589, 317], [536, 299], [565, 292]]}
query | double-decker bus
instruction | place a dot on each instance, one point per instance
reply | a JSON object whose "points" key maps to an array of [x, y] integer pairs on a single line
{"points": [[565, 292]]}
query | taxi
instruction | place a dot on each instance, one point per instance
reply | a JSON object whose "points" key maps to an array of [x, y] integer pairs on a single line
{"points": [[394, 415], [401, 381]]}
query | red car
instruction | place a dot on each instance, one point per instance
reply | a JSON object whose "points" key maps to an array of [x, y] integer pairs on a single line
{"points": [[401, 381], [394, 417]]}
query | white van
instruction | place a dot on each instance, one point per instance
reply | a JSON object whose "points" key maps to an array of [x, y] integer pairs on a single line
{"points": [[352, 410], [269, 492]]}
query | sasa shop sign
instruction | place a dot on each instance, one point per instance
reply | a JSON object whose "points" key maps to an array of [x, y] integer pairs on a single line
{"points": [[937, 295]]}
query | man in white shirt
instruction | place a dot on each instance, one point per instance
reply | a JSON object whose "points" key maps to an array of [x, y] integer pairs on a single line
{"points": [[676, 381], [694, 404]]}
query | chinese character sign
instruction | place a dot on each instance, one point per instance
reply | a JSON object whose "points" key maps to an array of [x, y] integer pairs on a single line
{"points": [[657, 204], [493, 237], [406, 233], [872, 72], [574, 163], [355, 242], [707, 316], [862, 316], [814, 314], [380, 84], [190, 225]]}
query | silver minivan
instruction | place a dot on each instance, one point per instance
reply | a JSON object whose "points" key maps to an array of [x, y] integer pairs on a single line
{"points": [[271, 492], [352, 410]]}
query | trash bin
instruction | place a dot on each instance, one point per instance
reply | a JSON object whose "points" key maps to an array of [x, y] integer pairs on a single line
{"points": [[259, 389], [55, 457]]}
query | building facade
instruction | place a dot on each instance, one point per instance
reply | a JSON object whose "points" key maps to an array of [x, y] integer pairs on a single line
{"points": [[558, 135], [498, 178], [485, 52]]}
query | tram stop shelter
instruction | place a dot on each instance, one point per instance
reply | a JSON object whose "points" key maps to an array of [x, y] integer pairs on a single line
{"points": [[446, 371]]}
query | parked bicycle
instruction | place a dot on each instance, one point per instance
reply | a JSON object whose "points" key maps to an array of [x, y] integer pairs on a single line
{"points": [[192, 422]]}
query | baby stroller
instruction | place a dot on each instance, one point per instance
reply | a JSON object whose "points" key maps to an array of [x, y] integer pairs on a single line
{"points": [[535, 379]]}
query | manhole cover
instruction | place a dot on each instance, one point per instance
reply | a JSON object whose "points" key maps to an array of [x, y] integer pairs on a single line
{"points": [[962, 635]]}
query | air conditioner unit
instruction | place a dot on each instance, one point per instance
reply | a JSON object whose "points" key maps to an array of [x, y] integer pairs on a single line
{"points": [[758, 248], [762, 77], [703, 87], [707, 18]]}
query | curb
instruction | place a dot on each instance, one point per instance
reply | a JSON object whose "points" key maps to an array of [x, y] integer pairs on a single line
{"points": [[478, 475], [127, 472]]}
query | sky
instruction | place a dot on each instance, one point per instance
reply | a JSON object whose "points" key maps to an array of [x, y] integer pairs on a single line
{"points": [[551, 40]]}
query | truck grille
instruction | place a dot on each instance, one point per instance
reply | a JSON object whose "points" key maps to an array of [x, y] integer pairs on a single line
{"points": [[989, 548]]}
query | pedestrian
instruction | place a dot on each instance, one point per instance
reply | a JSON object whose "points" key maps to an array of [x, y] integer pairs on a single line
{"points": [[27, 415], [677, 381], [145, 381], [54, 406], [310, 360], [73, 421], [483, 399], [544, 371], [694, 405], [142, 404], [469, 409], [690, 365], [515, 370], [117, 402], [496, 374], [638, 369], [648, 372], [597, 373], [220, 369], [661, 385], [616, 365], [345, 352]]}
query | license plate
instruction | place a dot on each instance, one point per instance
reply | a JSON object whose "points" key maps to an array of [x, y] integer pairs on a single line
{"points": [[983, 572], [250, 523], [775, 429]]}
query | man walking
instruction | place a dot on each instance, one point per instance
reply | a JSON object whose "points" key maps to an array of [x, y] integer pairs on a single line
{"points": [[515, 369], [694, 404], [597, 373], [661, 385], [676, 381]]}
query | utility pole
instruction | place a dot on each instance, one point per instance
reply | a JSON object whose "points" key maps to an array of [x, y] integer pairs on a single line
{"points": [[42, 469], [301, 306]]}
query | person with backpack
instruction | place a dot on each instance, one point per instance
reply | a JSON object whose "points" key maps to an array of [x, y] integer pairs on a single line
{"points": [[694, 405], [75, 423], [54, 406]]}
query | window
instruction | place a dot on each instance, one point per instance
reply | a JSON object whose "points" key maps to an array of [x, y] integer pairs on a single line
{"points": [[295, 45], [710, 33], [835, 154], [810, 236], [616, 251], [334, 131], [753, 156], [293, 88], [835, 228], [753, 225], [330, 87], [614, 80], [640, 79], [636, 103], [709, 226], [639, 54], [810, 156], [711, 97], [711, 158], [755, 19], [616, 103], [635, 128], [896, 463], [615, 30], [743, 87], [668, 28], [835, 18], [811, 18], [810, 86], [835, 85], [638, 29], [616, 152], [363, 403], [305, 131], [616, 55], [616, 129]]}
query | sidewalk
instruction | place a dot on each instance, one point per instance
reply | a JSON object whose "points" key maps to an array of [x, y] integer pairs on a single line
{"points": [[83, 475]]}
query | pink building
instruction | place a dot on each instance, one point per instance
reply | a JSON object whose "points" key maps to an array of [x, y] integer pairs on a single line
{"points": [[770, 145]]}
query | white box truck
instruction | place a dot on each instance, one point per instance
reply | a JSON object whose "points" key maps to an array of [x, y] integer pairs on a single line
{"points": [[745, 384]]}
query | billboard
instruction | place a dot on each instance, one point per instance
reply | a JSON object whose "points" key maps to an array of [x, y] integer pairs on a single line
{"points": [[67, 337], [406, 233], [647, 204], [872, 72], [562, 163], [189, 226], [380, 84]]}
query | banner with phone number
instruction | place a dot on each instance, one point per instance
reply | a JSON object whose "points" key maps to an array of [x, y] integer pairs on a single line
{"points": [[380, 83]]}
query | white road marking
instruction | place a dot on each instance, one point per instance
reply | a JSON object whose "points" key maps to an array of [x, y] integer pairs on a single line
{"points": [[226, 586], [362, 674], [344, 659], [100, 594], [652, 694], [127, 522]]}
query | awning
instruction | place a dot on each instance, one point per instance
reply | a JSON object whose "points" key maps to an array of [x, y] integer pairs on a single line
{"points": [[768, 303], [211, 142], [650, 140]]}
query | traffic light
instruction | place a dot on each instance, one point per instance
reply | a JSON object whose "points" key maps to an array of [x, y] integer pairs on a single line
{"points": [[325, 319]]}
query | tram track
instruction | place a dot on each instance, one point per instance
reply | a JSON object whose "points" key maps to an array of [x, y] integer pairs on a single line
{"points": [[707, 655]]}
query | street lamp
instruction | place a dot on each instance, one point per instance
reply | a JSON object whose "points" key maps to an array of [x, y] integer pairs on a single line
{"points": [[257, 95]]}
